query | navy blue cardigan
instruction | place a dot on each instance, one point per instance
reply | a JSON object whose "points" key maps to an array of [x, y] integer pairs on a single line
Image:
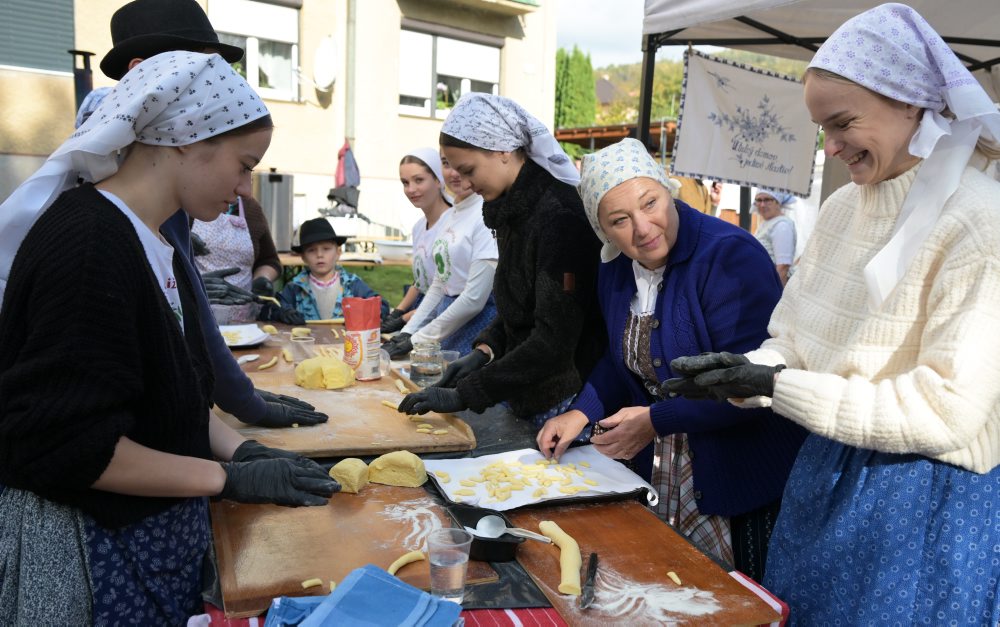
{"points": [[718, 291]]}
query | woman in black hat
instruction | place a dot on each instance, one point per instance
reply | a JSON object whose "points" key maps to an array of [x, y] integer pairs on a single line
{"points": [[317, 291]]}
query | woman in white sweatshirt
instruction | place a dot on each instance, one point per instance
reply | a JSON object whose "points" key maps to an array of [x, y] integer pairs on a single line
{"points": [[886, 344], [459, 303]]}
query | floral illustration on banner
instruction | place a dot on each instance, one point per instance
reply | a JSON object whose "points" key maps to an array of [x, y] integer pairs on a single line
{"points": [[749, 131]]}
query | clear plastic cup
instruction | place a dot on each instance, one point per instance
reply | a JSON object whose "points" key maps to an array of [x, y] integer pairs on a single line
{"points": [[449, 557], [449, 356], [302, 348]]}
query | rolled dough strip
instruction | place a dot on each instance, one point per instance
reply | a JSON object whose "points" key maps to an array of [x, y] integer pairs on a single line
{"points": [[401, 387], [412, 556], [569, 556]]}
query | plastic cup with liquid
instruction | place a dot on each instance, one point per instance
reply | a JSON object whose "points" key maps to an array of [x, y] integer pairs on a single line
{"points": [[449, 557]]}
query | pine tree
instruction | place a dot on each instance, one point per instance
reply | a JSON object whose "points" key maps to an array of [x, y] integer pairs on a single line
{"points": [[576, 101]]}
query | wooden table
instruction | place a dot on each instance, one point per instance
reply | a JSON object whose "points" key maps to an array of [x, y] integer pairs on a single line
{"points": [[266, 551], [359, 425], [636, 550]]}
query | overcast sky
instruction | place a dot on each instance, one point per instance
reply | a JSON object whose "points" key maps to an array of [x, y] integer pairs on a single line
{"points": [[610, 30]]}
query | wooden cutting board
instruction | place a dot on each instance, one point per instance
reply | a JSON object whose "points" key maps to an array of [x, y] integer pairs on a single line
{"points": [[359, 425], [635, 551], [266, 551]]}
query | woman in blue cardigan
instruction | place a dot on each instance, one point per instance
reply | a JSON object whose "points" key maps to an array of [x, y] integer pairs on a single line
{"points": [[686, 283]]}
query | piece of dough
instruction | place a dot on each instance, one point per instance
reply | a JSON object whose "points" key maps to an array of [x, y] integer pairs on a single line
{"points": [[401, 387], [351, 474], [286, 355], [401, 468], [270, 363], [412, 556], [301, 331], [309, 583], [270, 329], [391, 405], [569, 556], [318, 373]]}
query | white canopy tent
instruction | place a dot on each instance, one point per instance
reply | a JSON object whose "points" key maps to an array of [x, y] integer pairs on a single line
{"points": [[795, 29]]}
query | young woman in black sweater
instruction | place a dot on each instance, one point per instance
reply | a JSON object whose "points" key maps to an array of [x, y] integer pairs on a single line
{"points": [[547, 335]]}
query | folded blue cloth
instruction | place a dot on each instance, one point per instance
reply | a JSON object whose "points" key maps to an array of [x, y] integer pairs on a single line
{"points": [[290, 611], [371, 597]]}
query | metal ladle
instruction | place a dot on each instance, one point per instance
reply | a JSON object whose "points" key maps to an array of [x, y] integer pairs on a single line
{"points": [[493, 527]]}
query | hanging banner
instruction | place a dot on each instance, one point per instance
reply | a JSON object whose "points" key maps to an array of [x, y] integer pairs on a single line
{"points": [[743, 125]]}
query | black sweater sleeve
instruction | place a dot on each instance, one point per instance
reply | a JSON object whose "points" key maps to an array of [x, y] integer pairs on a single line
{"points": [[68, 361]]}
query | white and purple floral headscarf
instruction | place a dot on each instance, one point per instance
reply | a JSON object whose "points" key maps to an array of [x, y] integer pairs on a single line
{"points": [[893, 51], [500, 124], [171, 99]]}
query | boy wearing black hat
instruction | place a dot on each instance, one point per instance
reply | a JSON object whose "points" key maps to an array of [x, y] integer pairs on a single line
{"points": [[317, 291]]}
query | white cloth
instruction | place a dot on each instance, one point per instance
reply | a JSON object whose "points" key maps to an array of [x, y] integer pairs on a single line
{"points": [[609, 167], [462, 241], [500, 124], [743, 125], [647, 283], [922, 373], [423, 252], [327, 294], [159, 255], [432, 158], [171, 99], [893, 51]]}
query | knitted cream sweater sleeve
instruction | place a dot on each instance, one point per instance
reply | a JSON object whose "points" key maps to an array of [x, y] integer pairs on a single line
{"points": [[921, 374]]}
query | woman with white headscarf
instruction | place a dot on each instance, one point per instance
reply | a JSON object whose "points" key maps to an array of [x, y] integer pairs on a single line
{"points": [[107, 441], [424, 186], [546, 337], [775, 231], [886, 344], [674, 282]]}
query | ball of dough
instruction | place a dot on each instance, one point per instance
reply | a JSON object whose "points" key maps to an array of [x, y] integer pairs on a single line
{"points": [[351, 474], [318, 373], [401, 468]]}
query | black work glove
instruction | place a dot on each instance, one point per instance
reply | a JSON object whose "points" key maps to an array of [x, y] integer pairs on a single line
{"points": [[740, 381], [252, 451], [694, 365], [278, 481], [270, 312], [399, 346], [461, 368], [393, 322], [198, 246], [222, 293], [443, 400], [262, 286], [279, 413], [282, 398]]}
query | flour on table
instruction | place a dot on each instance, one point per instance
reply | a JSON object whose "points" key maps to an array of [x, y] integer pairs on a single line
{"points": [[417, 517], [620, 597]]}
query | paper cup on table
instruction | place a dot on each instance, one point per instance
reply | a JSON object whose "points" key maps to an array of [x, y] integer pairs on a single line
{"points": [[448, 551]]}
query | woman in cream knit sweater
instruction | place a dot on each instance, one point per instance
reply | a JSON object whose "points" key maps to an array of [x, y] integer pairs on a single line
{"points": [[886, 344]]}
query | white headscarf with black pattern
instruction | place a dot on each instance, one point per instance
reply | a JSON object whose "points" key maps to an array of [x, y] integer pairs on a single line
{"points": [[500, 124], [171, 99]]}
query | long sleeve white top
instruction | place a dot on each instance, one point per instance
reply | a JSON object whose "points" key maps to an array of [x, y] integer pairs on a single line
{"points": [[922, 373]]}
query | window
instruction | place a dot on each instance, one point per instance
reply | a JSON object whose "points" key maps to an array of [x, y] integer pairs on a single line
{"points": [[37, 34], [270, 35], [436, 70]]}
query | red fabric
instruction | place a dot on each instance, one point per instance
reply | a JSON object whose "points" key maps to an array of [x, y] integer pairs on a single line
{"points": [[528, 617], [531, 617], [765, 594]]}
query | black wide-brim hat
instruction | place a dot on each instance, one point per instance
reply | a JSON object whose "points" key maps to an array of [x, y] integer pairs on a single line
{"points": [[144, 28], [317, 230]]}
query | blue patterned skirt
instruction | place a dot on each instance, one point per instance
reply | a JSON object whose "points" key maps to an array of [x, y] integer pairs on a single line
{"points": [[150, 572], [868, 538], [461, 339]]}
